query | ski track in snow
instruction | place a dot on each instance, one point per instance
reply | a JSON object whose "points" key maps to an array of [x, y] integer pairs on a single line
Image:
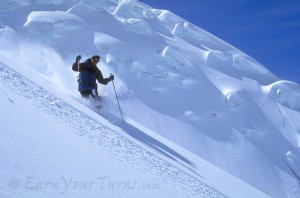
{"points": [[123, 149]]}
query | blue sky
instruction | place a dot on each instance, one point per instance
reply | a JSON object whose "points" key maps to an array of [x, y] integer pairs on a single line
{"points": [[266, 30]]}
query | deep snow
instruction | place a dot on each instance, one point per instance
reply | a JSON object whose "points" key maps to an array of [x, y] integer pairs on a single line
{"points": [[185, 94]]}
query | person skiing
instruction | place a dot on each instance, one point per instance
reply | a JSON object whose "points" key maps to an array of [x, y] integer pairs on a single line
{"points": [[89, 74]]}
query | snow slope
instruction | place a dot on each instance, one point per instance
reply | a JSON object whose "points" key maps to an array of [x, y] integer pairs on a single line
{"points": [[184, 93], [67, 153], [89, 152]]}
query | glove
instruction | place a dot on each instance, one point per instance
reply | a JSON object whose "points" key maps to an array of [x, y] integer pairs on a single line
{"points": [[78, 58], [111, 77]]}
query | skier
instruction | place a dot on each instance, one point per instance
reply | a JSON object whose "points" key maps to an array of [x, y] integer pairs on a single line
{"points": [[89, 73]]}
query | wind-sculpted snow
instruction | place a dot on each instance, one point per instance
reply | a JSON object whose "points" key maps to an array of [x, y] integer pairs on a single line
{"points": [[132, 9], [293, 161], [234, 98], [286, 93], [54, 27], [52, 22], [172, 58], [118, 145], [248, 64], [133, 14], [170, 20], [138, 26], [106, 43], [199, 37]]}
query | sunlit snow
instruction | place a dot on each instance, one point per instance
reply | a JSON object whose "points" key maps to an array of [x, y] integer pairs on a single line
{"points": [[202, 118]]}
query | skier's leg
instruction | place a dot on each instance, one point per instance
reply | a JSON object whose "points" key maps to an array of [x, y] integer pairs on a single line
{"points": [[86, 94]]}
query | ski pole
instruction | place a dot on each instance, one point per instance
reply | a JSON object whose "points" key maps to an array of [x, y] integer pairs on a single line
{"points": [[118, 100], [78, 61]]}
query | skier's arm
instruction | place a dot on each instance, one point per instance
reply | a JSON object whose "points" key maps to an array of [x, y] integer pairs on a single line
{"points": [[100, 78]]}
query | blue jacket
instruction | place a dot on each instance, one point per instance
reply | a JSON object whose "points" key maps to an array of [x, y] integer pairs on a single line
{"points": [[88, 76]]}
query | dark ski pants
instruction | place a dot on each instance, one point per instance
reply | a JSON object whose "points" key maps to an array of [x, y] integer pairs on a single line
{"points": [[87, 94]]}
